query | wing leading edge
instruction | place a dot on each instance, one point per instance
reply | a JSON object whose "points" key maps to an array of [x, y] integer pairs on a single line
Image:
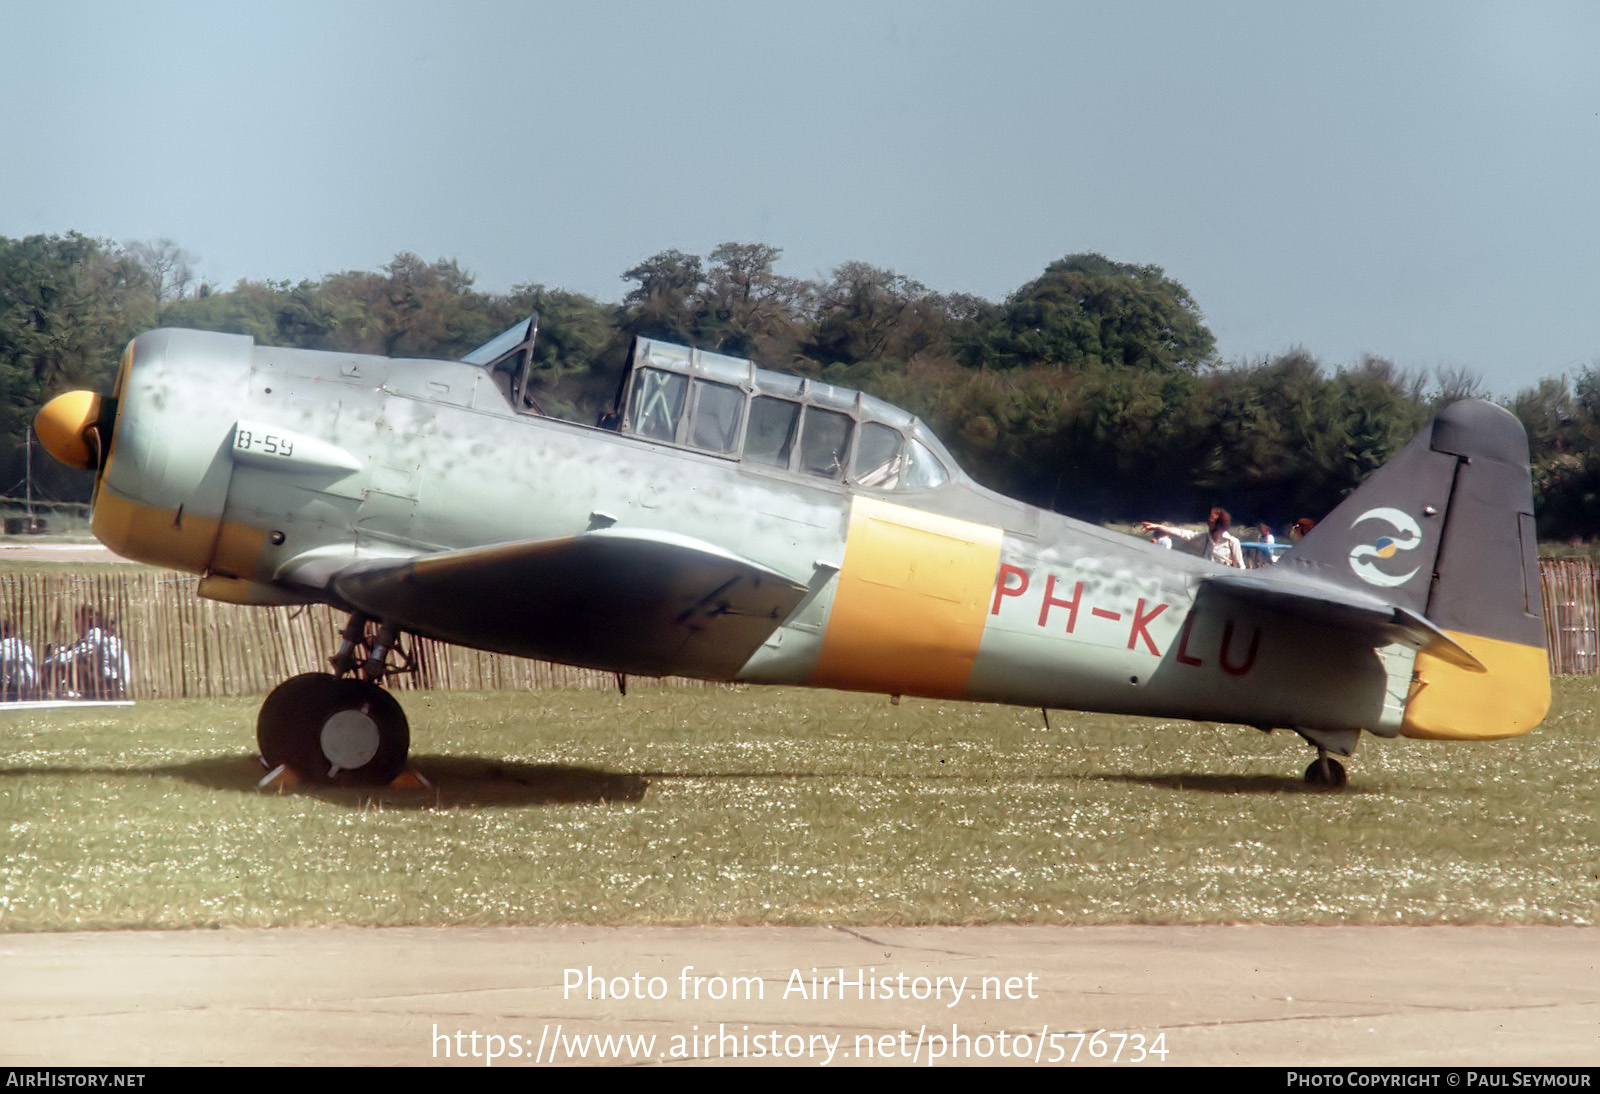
{"points": [[652, 603]]}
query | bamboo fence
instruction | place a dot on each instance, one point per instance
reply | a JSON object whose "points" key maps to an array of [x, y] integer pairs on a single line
{"points": [[182, 646], [1571, 592]]}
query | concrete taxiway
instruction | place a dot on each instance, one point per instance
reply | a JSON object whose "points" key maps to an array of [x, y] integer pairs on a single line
{"points": [[1282, 996]]}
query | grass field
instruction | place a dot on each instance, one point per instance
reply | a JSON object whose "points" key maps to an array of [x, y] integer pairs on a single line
{"points": [[744, 806]]}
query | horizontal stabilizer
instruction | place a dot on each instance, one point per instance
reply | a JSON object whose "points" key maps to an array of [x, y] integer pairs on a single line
{"points": [[652, 603], [1341, 606]]}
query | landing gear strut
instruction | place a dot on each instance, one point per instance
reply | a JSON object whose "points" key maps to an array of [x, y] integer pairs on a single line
{"points": [[341, 729], [1325, 772]]}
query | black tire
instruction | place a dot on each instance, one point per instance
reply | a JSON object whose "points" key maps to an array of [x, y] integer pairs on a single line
{"points": [[287, 729], [1327, 773], [346, 732]]}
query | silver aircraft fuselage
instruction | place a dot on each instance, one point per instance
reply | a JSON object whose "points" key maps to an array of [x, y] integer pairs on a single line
{"points": [[283, 476]]}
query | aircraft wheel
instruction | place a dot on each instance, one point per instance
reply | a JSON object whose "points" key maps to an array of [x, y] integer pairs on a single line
{"points": [[1327, 773], [332, 730]]}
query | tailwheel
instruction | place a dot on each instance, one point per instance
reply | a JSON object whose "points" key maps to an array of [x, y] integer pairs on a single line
{"points": [[330, 730], [1326, 773]]}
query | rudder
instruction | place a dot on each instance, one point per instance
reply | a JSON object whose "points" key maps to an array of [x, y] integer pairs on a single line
{"points": [[1446, 529]]}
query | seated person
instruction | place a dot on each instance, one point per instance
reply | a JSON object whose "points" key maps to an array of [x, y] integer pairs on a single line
{"points": [[95, 666], [17, 677]]}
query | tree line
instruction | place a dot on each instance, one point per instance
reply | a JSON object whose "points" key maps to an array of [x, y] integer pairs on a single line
{"points": [[1094, 389]]}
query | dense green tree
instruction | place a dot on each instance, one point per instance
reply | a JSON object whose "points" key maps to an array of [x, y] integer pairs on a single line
{"points": [[1563, 423], [869, 314], [1281, 440], [579, 355], [665, 298], [68, 305], [745, 308], [414, 309], [1086, 310], [250, 307]]}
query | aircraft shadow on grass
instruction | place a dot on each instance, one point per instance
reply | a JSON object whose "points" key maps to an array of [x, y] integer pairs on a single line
{"points": [[467, 782], [1228, 784], [480, 782]]}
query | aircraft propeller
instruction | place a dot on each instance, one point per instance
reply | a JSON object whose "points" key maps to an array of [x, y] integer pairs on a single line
{"points": [[75, 427]]}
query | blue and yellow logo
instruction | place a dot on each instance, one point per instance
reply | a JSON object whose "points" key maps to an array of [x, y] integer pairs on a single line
{"points": [[1364, 556]]}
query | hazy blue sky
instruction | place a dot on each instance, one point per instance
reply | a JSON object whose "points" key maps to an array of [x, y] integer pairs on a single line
{"points": [[1413, 180]]}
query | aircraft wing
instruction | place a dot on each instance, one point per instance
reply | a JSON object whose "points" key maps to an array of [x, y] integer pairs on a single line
{"points": [[653, 603], [1337, 606]]}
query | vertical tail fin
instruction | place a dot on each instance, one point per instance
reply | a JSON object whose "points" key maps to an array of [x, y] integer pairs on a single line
{"points": [[1446, 529]]}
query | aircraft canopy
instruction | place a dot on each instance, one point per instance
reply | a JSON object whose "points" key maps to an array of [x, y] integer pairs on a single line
{"points": [[728, 407]]}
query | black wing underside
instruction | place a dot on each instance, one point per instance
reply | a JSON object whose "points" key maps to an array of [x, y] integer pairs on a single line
{"points": [[652, 603]]}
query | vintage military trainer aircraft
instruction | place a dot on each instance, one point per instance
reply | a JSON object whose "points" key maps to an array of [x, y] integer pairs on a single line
{"points": [[731, 523]]}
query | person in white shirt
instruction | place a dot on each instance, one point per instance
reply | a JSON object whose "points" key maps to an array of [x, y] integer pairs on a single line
{"points": [[1267, 538], [17, 676], [1216, 543], [96, 665]]}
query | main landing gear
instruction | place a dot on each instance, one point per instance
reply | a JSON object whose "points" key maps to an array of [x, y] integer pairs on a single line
{"points": [[1325, 772], [340, 728]]}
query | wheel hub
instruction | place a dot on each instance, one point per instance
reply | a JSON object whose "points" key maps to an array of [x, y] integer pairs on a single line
{"points": [[350, 739]]}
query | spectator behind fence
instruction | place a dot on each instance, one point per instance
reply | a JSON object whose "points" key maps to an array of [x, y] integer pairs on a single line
{"points": [[95, 666], [17, 677]]}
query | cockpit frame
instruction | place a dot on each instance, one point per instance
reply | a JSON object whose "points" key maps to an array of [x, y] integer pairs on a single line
{"points": [[728, 407]]}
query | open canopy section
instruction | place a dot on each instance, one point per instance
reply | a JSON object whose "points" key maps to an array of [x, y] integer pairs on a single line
{"points": [[508, 357]]}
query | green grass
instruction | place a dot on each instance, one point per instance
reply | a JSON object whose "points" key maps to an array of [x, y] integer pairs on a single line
{"points": [[745, 806]]}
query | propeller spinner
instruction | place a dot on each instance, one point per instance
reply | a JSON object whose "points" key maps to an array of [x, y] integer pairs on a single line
{"points": [[75, 427]]}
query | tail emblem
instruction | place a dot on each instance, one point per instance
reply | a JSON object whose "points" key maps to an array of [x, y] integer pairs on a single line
{"points": [[1409, 538]]}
